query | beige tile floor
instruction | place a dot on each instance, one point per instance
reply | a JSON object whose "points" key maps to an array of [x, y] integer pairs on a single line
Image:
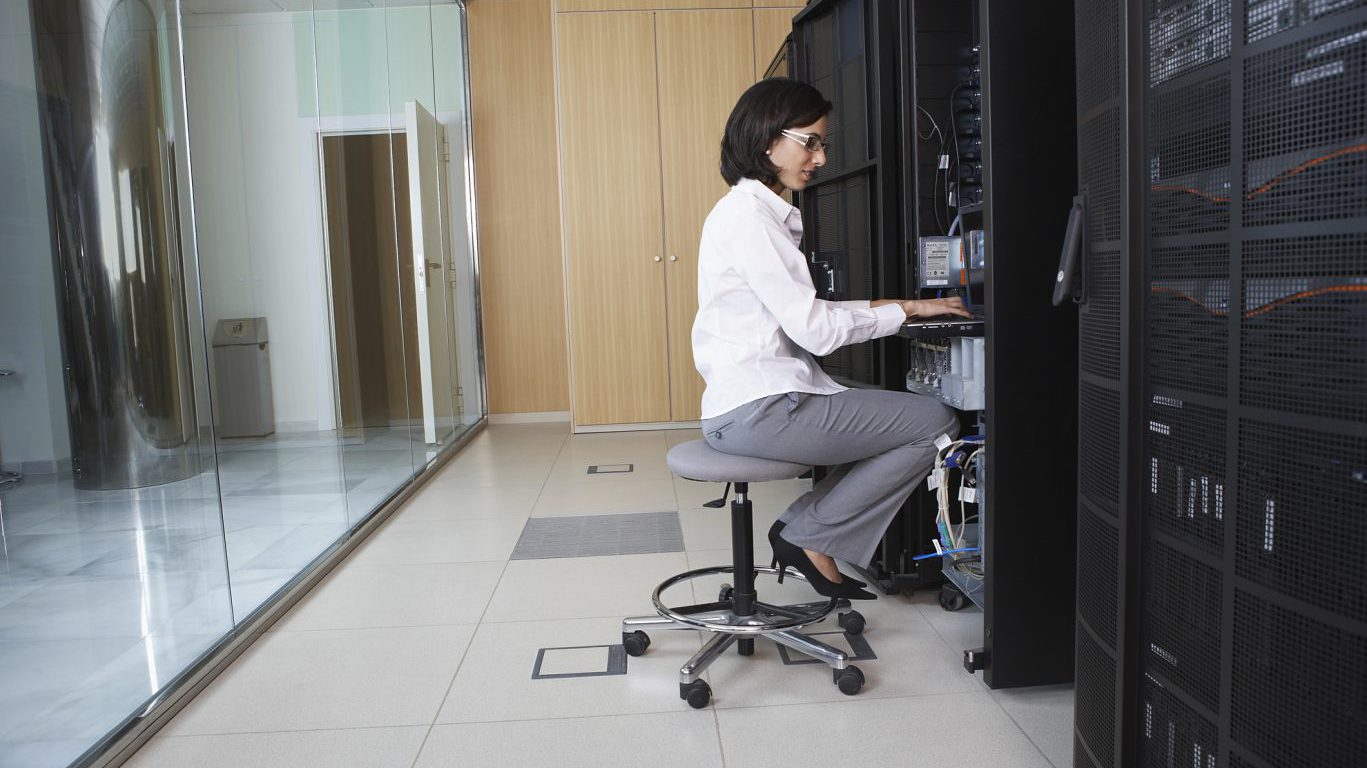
{"points": [[418, 651]]}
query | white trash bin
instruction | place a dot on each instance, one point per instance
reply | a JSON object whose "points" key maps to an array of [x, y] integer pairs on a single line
{"points": [[242, 378]]}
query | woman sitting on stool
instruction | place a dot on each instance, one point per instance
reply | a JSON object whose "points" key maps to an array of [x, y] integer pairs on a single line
{"points": [[758, 328]]}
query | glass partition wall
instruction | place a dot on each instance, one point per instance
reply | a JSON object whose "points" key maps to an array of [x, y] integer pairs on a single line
{"points": [[238, 313]]}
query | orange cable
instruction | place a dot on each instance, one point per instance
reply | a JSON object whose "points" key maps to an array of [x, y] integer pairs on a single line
{"points": [[1284, 175], [1279, 178], [1268, 307], [1192, 299], [1265, 308], [1188, 190]]}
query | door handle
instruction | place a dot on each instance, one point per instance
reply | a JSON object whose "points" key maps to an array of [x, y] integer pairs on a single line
{"points": [[434, 265], [672, 257], [657, 258], [1067, 284]]}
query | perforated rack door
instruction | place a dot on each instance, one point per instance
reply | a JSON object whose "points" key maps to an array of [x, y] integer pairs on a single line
{"points": [[842, 241], [1254, 519], [1102, 116]]}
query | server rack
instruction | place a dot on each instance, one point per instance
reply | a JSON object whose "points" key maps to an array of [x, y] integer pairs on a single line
{"points": [[847, 49], [851, 51], [1027, 172], [1027, 64], [912, 56], [1222, 604]]}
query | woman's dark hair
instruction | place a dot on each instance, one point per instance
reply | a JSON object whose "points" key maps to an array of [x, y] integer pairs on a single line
{"points": [[764, 110]]}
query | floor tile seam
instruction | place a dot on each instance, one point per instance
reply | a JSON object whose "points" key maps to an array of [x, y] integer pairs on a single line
{"points": [[452, 478], [450, 686], [644, 611], [716, 726], [404, 537], [433, 624], [849, 700], [600, 513], [510, 516], [936, 629], [439, 485], [164, 735], [611, 715], [380, 566], [1021, 728], [442, 561], [606, 480]]}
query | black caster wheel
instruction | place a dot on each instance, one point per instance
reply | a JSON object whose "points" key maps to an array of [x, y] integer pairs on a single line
{"points": [[635, 643], [952, 599], [746, 646], [852, 622], [849, 680], [696, 693], [725, 593]]}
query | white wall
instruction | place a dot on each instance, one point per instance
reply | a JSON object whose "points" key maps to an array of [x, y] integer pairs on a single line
{"points": [[257, 211], [33, 423]]}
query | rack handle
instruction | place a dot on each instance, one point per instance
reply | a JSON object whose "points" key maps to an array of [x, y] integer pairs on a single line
{"points": [[1066, 283]]}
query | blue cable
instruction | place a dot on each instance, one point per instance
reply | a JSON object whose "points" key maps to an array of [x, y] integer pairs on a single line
{"points": [[945, 552]]}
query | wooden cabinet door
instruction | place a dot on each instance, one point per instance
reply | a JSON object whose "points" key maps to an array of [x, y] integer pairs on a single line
{"points": [[565, 6], [706, 60], [610, 182]]}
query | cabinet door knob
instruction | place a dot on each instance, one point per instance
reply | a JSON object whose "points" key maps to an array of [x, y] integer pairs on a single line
{"points": [[657, 258], [672, 257]]}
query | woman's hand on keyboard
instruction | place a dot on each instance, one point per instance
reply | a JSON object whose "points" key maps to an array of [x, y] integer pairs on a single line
{"points": [[924, 309]]}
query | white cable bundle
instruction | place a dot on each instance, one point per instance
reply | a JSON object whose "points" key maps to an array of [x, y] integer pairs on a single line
{"points": [[939, 481]]}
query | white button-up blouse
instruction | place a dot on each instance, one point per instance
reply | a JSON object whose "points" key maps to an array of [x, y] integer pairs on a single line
{"points": [[759, 322]]}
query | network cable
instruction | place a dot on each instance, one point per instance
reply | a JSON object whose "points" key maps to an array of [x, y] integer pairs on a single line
{"points": [[952, 456], [1261, 309], [1266, 186]]}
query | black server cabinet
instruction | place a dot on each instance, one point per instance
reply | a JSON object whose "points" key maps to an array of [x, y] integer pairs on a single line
{"points": [[1104, 540], [885, 64], [1013, 174], [1222, 604], [851, 51], [847, 50], [1028, 168]]}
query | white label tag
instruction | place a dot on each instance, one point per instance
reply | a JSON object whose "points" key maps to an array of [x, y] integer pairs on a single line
{"points": [[944, 162], [968, 494], [942, 442], [933, 480]]}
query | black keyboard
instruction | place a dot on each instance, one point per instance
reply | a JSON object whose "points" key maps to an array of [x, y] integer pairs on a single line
{"points": [[941, 327]]}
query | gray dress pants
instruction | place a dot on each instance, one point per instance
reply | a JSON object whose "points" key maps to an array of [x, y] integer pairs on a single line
{"points": [[879, 444]]}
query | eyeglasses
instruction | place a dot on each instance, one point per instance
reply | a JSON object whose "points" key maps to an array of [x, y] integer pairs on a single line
{"points": [[812, 141]]}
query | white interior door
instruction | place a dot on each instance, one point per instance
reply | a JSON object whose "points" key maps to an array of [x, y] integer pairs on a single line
{"points": [[429, 270]]}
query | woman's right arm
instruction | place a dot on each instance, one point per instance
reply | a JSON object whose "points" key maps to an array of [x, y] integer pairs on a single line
{"points": [[927, 308], [777, 273]]}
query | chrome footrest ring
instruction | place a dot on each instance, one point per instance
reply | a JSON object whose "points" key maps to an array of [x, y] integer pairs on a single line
{"points": [[751, 625]]}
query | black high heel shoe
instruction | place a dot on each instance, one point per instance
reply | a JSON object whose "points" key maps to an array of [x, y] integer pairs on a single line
{"points": [[776, 529], [789, 554]]}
